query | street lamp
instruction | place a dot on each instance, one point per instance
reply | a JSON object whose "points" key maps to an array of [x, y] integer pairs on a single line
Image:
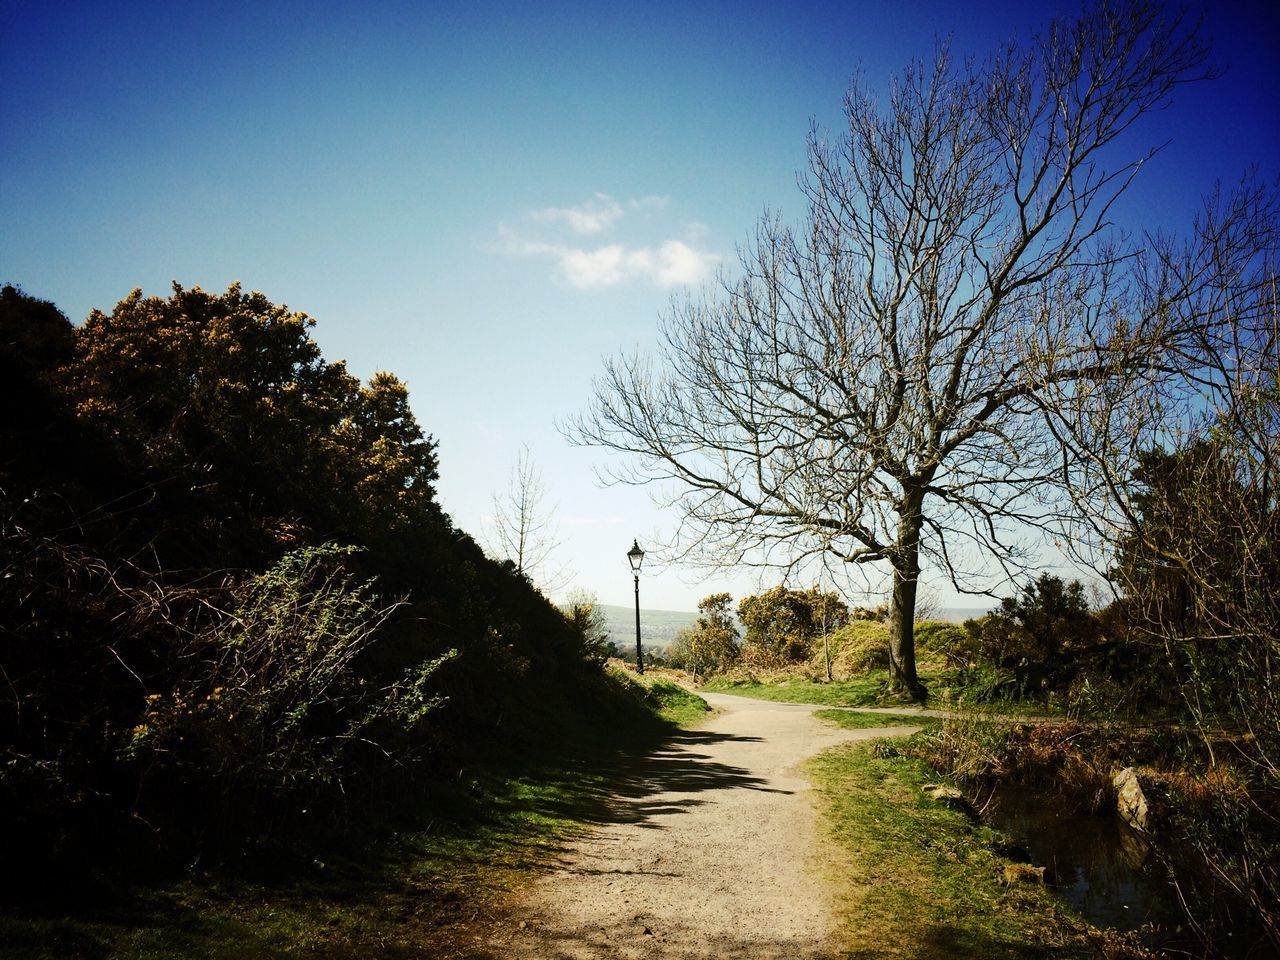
{"points": [[636, 556]]}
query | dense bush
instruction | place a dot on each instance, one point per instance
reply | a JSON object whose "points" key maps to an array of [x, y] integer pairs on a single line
{"points": [[1199, 562], [781, 624], [940, 640], [268, 702], [1043, 635], [711, 645], [590, 628], [186, 657]]}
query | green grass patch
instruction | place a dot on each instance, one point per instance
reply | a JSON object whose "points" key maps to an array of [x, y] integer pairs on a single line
{"points": [[851, 720], [666, 699], [869, 690], [947, 692], [919, 879], [678, 705], [418, 890]]}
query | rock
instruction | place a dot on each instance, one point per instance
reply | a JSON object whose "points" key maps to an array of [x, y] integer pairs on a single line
{"points": [[951, 797], [1131, 801], [940, 791]]}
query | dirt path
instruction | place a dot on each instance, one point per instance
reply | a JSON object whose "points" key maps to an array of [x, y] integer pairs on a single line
{"points": [[709, 851]]}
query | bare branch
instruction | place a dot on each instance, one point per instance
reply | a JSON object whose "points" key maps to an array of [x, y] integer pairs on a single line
{"points": [[886, 381]]}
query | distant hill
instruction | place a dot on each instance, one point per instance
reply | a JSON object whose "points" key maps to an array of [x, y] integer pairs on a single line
{"points": [[657, 627]]}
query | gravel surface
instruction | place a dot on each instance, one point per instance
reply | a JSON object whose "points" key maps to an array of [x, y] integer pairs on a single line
{"points": [[709, 850]]}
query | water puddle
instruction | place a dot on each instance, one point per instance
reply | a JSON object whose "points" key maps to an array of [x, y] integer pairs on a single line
{"points": [[1107, 871]]}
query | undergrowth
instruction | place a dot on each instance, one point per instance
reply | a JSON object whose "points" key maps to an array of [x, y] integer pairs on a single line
{"points": [[416, 888]]}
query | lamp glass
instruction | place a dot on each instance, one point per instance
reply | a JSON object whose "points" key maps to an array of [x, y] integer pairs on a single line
{"points": [[636, 556]]}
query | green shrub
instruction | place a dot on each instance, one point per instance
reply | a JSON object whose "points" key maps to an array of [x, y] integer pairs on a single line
{"points": [[995, 639], [271, 704], [786, 623], [947, 642], [984, 683], [589, 627]]}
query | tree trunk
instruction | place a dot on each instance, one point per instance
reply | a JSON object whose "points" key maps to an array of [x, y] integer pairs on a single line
{"points": [[902, 611]]}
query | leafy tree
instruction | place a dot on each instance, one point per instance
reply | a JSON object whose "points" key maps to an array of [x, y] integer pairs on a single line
{"points": [[1040, 634], [679, 651], [36, 339], [179, 642], [995, 638], [387, 464], [1200, 567], [1185, 554], [1199, 564], [884, 383], [590, 627], [713, 641], [232, 389], [783, 623], [1054, 617], [33, 333]]}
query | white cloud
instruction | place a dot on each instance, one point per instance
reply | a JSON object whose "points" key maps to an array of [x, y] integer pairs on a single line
{"points": [[593, 216], [680, 263], [666, 264], [669, 265], [651, 202], [593, 268]]}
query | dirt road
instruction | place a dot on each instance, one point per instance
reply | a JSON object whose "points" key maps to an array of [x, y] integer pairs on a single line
{"points": [[710, 850]]}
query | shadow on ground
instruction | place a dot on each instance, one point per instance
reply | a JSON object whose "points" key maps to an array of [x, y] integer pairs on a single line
{"points": [[421, 887], [669, 779]]}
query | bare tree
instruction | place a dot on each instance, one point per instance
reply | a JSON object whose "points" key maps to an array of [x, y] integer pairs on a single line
{"points": [[881, 383], [524, 530]]}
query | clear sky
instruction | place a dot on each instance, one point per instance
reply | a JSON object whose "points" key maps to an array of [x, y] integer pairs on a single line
{"points": [[487, 198]]}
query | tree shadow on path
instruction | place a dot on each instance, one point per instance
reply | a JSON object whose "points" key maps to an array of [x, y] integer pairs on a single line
{"points": [[669, 779]]}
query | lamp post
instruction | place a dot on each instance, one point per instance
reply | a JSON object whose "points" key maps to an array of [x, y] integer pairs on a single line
{"points": [[636, 556]]}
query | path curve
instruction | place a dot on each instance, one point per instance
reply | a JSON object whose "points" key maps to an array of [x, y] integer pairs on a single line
{"points": [[709, 850]]}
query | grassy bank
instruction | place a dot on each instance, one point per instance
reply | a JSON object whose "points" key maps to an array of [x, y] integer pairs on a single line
{"points": [[416, 889], [871, 689], [868, 690], [849, 720], [918, 878]]}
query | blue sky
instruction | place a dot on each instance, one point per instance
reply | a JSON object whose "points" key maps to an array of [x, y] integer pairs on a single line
{"points": [[488, 198]]}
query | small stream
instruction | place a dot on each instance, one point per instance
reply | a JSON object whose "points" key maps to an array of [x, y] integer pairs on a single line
{"points": [[1107, 871]]}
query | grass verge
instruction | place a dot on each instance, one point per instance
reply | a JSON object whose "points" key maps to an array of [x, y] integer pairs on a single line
{"points": [[418, 890], [920, 879], [867, 690], [872, 690], [849, 720]]}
